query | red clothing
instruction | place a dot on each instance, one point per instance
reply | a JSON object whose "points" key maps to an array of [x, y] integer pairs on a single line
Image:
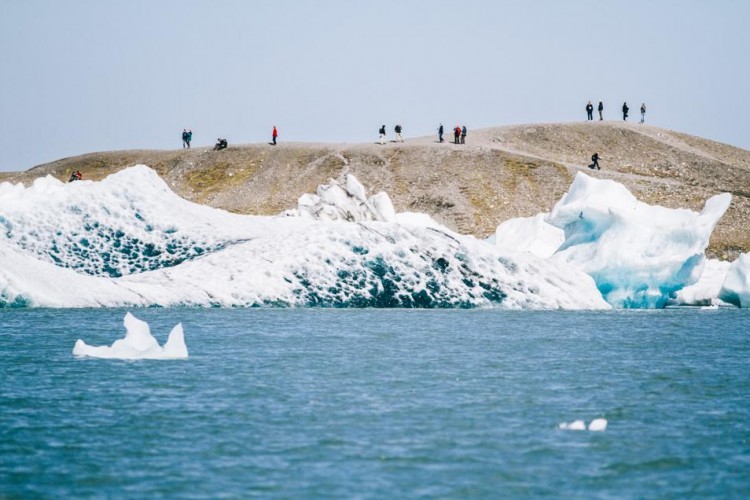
{"points": [[275, 133]]}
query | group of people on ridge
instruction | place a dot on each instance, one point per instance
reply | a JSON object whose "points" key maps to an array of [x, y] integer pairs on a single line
{"points": [[459, 134], [625, 111], [187, 136], [75, 175]]}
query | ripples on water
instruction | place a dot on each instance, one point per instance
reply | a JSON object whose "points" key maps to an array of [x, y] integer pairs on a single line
{"points": [[379, 403]]}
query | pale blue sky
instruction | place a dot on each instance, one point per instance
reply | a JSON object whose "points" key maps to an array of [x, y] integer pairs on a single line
{"points": [[84, 75]]}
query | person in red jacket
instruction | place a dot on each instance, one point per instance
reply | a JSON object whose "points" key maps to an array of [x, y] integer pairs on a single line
{"points": [[274, 134]]}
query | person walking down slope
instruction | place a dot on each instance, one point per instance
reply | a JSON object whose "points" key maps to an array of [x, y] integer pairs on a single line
{"points": [[601, 108], [457, 135], [189, 137], [274, 135], [589, 112], [397, 129], [440, 133], [382, 135], [625, 110], [184, 138], [595, 160], [643, 112], [463, 134]]}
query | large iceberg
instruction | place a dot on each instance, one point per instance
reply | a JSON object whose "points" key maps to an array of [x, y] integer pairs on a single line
{"points": [[639, 255], [130, 241]]}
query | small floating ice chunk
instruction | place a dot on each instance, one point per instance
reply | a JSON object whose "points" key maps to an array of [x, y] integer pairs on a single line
{"points": [[576, 425], [598, 424], [137, 344]]}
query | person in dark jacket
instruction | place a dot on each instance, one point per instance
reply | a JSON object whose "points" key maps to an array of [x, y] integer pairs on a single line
{"points": [[463, 134], [643, 112], [625, 110], [398, 129], [601, 108], [220, 144], [595, 160], [440, 133], [184, 138], [189, 137], [589, 112], [381, 140]]}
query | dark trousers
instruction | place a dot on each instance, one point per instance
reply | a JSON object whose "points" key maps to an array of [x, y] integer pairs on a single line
{"points": [[591, 115], [600, 115], [274, 140]]}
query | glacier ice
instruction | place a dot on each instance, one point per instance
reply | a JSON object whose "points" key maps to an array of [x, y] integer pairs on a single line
{"points": [[705, 292], [639, 255], [529, 234], [137, 344], [130, 241], [736, 287]]}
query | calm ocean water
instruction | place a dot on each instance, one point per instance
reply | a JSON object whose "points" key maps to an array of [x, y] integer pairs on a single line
{"points": [[379, 404]]}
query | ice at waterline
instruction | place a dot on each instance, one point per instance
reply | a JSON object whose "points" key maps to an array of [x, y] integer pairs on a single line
{"points": [[130, 241], [137, 344]]}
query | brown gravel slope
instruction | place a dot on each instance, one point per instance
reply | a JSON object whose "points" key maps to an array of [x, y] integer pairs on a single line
{"points": [[499, 174]]}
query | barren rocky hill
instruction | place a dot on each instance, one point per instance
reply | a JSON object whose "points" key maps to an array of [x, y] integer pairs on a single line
{"points": [[500, 173]]}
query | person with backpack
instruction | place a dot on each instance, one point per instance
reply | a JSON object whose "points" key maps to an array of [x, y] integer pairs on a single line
{"points": [[595, 160], [440, 133], [381, 140], [184, 138], [625, 110], [397, 129], [643, 112], [189, 137], [457, 135], [463, 134], [601, 108], [274, 134], [589, 112]]}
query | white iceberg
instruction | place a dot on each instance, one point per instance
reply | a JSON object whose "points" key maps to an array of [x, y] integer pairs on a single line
{"points": [[639, 255], [137, 344], [130, 241], [736, 287]]}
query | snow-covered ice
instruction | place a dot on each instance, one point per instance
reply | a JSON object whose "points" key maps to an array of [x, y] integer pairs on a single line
{"points": [[130, 241], [529, 234], [137, 344]]}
